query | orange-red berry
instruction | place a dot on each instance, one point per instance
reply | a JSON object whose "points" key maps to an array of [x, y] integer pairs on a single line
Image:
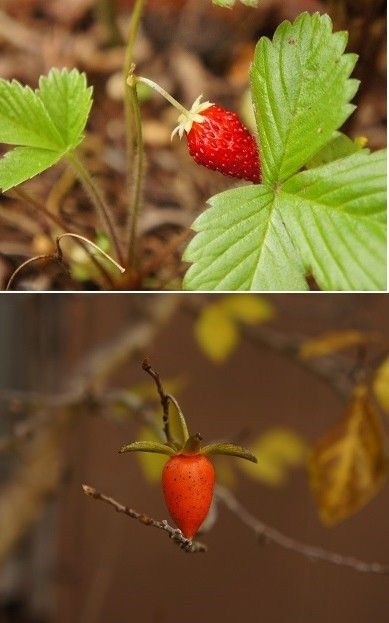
{"points": [[188, 482]]}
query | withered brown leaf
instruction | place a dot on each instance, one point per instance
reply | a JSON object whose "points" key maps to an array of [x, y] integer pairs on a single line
{"points": [[349, 463]]}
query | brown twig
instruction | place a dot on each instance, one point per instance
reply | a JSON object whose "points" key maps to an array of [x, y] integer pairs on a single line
{"points": [[187, 545], [165, 398], [267, 534]]}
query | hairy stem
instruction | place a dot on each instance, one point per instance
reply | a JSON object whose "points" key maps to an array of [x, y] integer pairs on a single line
{"points": [[98, 201], [138, 176], [129, 111], [86, 241]]}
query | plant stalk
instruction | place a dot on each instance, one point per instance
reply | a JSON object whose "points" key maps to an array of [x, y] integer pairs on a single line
{"points": [[137, 177], [86, 241], [98, 201], [31, 260], [128, 62]]}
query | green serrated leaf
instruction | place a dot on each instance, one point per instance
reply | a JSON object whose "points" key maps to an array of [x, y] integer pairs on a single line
{"points": [[24, 119], [147, 446], [336, 216], [338, 147], [68, 100], [242, 244], [45, 124], [229, 449], [301, 92], [23, 163]]}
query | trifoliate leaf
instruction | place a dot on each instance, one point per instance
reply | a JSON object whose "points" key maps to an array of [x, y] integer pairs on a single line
{"points": [[46, 124], [329, 221], [349, 463], [278, 450], [301, 92], [381, 385]]}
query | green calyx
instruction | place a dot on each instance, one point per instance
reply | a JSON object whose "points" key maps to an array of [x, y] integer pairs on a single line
{"points": [[191, 446]]}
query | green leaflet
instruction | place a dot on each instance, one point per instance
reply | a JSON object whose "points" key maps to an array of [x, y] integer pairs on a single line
{"points": [[336, 216], [242, 244], [45, 124], [301, 92], [23, 163], [68, 101]]}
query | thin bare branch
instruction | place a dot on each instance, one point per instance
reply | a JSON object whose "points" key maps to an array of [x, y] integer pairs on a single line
{"points": [[165, 398], [266, 534], [187, 545]]}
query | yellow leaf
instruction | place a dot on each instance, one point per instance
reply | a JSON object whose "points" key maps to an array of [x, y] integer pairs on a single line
{"points": [[225, 473], [277, 450], [381, 385], [217, 330], [333, 341], [248, 308], [349, 462], [151, 464], [216, 333]]}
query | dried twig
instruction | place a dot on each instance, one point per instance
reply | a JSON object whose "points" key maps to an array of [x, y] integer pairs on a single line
{"points": [[187, 545], [165, 398], [267, 534]]}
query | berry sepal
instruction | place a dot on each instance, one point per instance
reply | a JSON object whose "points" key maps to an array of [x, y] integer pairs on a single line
{"points": [[229, 449], [148, 446]]}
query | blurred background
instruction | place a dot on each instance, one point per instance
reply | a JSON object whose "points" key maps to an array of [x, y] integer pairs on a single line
{"points": [[189, 47], [273, 373]]}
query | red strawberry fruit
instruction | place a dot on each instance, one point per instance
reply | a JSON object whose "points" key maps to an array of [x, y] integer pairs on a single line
{"points": [[216, 137], [188, 477], [221, 142]]}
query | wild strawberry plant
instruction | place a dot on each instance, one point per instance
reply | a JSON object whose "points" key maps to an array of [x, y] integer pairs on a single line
{"points": [[320, 209], [316, 207]]}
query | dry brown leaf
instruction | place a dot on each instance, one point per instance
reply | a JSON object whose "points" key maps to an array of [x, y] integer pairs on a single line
{"points": [[349, 463], [333, 341]]}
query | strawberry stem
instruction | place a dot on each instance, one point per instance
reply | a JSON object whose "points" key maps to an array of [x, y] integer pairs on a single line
{"points": [[164, 94]]}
